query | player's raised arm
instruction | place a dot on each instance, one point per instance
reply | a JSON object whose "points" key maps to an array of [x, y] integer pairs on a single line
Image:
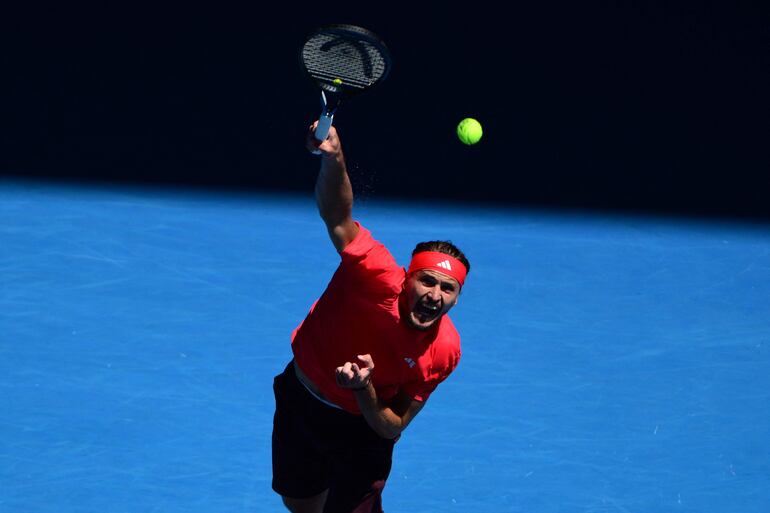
{"points": [[333, 192]]}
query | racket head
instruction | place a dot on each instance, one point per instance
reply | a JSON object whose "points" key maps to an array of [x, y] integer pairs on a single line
{"points": [[345, 60]]}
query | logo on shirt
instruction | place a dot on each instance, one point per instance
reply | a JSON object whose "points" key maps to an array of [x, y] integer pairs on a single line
{"points": [[445, 264], [411, 363]]}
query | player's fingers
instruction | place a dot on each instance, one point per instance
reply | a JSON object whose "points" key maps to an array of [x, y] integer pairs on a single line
{"points": [[354, 367], [346, 372], [367, 360], [343, 377], [310, 140]]}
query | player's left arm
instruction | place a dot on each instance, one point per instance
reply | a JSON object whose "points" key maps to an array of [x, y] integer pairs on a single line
{"points": [[387, 418]]}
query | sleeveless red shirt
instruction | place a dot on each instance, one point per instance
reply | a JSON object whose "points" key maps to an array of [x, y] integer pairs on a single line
{"points": [[358, 314]]}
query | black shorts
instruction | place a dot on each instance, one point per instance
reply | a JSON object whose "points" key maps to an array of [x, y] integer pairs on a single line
{"points": [[318, 447]]}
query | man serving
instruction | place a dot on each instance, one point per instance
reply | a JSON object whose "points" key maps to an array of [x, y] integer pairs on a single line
{"points": [[368, 355]]}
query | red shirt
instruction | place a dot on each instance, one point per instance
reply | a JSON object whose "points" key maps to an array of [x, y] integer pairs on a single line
{"points": [[358, 314]]}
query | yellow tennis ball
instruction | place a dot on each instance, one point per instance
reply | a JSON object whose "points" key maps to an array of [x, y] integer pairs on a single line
{"points": [[337, 81], [469, 131]]}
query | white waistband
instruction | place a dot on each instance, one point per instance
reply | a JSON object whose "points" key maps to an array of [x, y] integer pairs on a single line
{"points": [[328, 403]]}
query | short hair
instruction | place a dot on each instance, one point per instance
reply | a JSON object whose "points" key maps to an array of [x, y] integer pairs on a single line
{"points": [[446, 247]]}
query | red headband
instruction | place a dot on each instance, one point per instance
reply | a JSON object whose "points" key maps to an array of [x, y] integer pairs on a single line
{"points": [[440, 262]]}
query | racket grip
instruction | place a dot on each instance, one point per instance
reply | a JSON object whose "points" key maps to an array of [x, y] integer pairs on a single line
{"points": [[324, 124]]}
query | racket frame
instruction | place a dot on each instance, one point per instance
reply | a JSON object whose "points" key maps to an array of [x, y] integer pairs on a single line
{"points": [[332, 94]]}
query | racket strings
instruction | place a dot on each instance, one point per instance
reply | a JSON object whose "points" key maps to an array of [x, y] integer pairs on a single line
{"points": [[356, 63]]}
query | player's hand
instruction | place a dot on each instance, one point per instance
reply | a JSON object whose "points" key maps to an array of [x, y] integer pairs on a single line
{"points": [[329, 148], [353, 375]]}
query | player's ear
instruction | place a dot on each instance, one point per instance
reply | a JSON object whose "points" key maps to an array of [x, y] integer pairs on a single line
{"points": [[457, 298]]}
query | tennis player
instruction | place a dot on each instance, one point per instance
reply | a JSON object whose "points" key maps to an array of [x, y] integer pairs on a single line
{"points": [[368, 355]]}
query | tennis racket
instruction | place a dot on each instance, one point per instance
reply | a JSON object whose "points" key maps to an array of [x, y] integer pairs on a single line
{"points": [[343, 61]]}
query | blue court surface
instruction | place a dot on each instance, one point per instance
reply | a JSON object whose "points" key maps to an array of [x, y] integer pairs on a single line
{"points": [[610, 364]]}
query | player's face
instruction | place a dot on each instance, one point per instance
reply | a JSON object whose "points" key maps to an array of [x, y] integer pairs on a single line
{"points": [[427, 295]]}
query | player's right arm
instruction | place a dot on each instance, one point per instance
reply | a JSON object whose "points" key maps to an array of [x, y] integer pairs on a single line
{"points": [[333, 192]]}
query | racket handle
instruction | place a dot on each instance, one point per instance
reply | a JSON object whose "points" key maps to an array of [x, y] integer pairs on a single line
{"points": [[324, 124]]}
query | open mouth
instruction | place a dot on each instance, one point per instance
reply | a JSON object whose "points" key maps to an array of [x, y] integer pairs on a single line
{"points": [[426, 312]]}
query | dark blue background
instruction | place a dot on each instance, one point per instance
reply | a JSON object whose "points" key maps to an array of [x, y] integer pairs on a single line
{"points": [[653, 108]]}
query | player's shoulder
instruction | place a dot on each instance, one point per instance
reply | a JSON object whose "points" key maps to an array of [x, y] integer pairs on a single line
{"points": [[360, 244], [448, 330], [370, 266], [447, 343], [364, 245], [445, 351]]}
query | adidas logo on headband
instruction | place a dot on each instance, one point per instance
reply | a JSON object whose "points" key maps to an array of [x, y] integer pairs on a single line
{"points": [[433, 259]]}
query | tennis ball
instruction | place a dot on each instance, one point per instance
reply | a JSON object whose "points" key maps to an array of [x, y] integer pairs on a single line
{"points": [[337, 81], [469, 131]]}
